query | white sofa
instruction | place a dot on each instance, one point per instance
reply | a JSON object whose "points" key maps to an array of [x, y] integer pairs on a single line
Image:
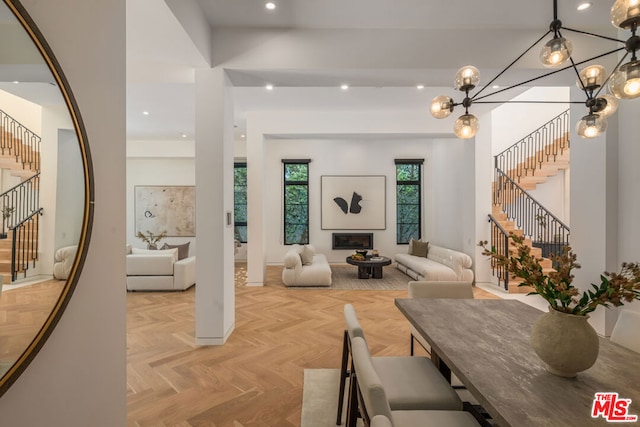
{"points": [[314, 272], [441, 264], [159, 270]]}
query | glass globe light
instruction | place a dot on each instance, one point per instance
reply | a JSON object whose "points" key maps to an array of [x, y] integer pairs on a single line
{"points": [[624, 13], [625, 82], [466, 126], [441, 107], [467, 78], [555, 52], [611, 105], [591, 125], [592, 77]]}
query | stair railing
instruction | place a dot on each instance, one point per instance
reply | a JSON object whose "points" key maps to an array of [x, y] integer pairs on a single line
{"points": [[25, 244], [544, 229], [500, 242], [19, 141], [20, 212], [527, 156]]}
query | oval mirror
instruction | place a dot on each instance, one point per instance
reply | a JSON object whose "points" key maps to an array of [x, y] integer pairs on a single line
{"points": [[45, 192]]}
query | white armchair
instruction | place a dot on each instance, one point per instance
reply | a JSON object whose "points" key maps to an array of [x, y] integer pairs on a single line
{"points": [[159, 270], [63, 261]]}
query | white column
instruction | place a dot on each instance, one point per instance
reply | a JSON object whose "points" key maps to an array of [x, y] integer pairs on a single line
{"points": [[256, 190], [594, 209], [215, 297]]}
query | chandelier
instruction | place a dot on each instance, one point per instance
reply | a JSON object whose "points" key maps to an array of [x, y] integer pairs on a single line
{"points": [[623, 82]]}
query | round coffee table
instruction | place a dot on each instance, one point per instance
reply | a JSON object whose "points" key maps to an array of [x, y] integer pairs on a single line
{"points": [[370, 267]]}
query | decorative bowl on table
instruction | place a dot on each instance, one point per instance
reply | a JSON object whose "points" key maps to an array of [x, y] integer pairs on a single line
{"points": [[362, 252]]}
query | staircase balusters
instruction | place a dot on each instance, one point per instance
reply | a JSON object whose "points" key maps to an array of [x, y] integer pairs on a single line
{"points": [[544, 144], [499, 242], [20, 214], [20, 142]]}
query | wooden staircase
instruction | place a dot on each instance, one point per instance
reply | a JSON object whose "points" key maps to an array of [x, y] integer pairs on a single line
{"points": [[20, 155], [534, 170]]}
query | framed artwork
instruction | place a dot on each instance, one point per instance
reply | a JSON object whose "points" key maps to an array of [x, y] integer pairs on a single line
{"points": [[353, 202], [166, 208]]}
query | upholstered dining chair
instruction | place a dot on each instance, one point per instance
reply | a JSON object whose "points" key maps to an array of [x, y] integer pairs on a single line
{"points": [[412, 382], [626, 331], [373, 402], [424, 289]]}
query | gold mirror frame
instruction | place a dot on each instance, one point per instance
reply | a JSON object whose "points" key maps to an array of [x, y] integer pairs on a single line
{"points": [[85, 233]]}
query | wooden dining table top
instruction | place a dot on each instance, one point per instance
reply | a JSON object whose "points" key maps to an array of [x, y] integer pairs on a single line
{"points": [[486, 344]]}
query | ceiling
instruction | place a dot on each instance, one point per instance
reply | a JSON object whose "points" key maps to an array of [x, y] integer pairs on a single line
{"points": [[161, 57]]}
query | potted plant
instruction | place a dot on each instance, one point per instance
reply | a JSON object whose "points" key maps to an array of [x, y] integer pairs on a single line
{"points": [[151, 239], [563, 338], [7, 211]]}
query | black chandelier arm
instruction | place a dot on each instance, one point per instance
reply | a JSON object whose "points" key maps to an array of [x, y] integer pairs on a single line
{"points": [[510, 65], [529, 102], [546, 75], [593, 34]]}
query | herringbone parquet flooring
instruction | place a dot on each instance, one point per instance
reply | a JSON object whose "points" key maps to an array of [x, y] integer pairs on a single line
{"points": [[256, 378]]}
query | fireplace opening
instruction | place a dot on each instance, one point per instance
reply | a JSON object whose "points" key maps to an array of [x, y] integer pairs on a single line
{"points": [[352, 241]]}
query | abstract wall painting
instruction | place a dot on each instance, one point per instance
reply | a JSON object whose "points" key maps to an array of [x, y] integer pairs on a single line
{"points": [[353, 202], [166, 208]]}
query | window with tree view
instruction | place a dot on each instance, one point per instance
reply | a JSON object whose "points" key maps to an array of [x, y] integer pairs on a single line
{"points": [[296, 201], [240, 201], [408, 199]]}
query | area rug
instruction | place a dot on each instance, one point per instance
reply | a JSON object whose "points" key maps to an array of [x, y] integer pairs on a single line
{"points": [[320, 398], [346, 277]]}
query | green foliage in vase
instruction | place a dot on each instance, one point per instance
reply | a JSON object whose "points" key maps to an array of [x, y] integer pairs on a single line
{"points": [[150, 238], [556, 286]]}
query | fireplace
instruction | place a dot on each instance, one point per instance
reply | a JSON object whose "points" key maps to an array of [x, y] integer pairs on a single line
{"points": [[352, 241]]}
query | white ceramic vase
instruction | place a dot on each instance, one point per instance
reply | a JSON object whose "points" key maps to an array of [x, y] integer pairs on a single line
{"points": [[566, 343]]}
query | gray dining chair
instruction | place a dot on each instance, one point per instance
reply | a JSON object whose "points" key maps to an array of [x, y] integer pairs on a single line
{"points": [[412, 382], [626, 331], [373, 402], [431, 289]]}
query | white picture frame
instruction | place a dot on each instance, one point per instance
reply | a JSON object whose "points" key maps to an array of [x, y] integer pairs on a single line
{"points": [[353, 202]]}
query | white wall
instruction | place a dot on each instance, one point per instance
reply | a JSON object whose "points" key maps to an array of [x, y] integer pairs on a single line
{"points": [[79, 376], [513, 121], [157, 171], [367, 156], [25, 112]]}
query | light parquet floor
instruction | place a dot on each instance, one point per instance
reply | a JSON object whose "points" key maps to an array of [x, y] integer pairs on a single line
{"points": [[23, 311], [256, 378]]}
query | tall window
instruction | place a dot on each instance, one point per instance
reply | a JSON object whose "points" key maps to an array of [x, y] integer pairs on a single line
{"points": [[296, 201], [408, 199], [240, 201]]}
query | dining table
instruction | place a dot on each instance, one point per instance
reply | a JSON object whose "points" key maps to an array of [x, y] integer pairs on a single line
{"points": [[486, 344]]}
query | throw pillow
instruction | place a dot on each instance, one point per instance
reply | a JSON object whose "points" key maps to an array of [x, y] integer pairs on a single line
{"points": [[420, 249], [183, 249], [307, 255], [410, 252]]}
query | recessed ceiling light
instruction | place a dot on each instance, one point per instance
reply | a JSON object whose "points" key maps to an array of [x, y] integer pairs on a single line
{"points": [[184, 135], [420, 87], [269, 87], [495, 86], [16, 82], [270, 5], [145, 113], [242, 136], [584, 5], [344, 86]]}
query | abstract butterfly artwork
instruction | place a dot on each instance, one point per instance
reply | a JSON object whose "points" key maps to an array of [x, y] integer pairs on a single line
{"points": [[353, 202]]}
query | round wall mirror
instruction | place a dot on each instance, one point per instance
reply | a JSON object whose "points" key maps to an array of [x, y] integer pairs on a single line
{"points": [[46, 197]]}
